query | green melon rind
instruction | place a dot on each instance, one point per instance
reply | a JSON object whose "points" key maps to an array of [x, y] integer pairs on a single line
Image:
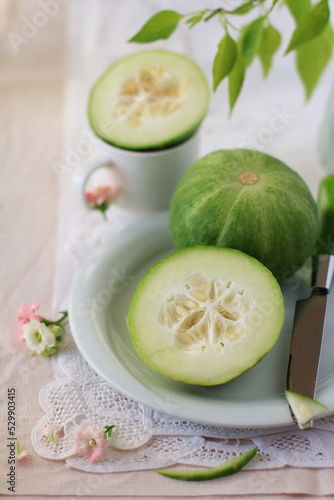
{"points": [[170, 141], [210, 210], [304, 409], [195, 379], [227, 469], [325, 240]]}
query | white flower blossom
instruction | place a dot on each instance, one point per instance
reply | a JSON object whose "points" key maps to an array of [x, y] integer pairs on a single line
{"points": [[40, 339]]}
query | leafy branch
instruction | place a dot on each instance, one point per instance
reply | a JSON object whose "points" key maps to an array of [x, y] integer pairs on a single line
{"points": [[312, 40]]}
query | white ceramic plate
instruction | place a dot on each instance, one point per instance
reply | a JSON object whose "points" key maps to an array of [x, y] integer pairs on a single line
{"points": [[98, 309]]}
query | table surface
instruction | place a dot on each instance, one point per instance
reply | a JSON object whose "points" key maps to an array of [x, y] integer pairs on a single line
{"points": [[32, 115]]}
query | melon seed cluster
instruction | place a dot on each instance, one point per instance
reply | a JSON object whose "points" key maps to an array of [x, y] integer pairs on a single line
{"points": [[154, 92], [206, 315]]}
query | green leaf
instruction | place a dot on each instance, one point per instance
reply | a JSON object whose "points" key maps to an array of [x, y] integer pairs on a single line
{"points": [[313, 57], [250, 39], [108, 431], [297, 8], [192, 21], [310, 24], [224, 60], [242, 9], [236, 80], [269, 44], [159, 27], [18, 449]]}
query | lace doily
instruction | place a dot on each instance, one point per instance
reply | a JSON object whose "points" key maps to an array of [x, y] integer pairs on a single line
{"points": [[146, 439]]}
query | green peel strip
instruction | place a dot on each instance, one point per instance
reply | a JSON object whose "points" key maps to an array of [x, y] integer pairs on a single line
{"points": [[226, 469]]}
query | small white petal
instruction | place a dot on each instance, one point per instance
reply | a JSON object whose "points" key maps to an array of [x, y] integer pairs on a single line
{"points": [[38, 336]]}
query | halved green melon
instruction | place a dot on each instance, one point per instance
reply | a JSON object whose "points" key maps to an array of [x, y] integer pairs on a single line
{"points": [[149, 100], [205, 315]]}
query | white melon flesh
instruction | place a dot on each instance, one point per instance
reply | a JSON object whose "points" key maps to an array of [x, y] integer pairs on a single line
{"points": [[304, 409], [149, 100], [205, 315]]}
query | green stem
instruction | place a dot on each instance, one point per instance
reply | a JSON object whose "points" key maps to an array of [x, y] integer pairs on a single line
{"points": [[48, 322], [273, 6], [228, 23], [195, 12], [212, 14], [104, 215]]}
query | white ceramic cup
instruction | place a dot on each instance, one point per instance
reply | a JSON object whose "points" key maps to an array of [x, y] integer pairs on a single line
{"points": [[147, 179]]}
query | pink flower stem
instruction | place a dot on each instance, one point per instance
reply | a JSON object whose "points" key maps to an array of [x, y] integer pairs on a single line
{"points": [[103, 208], [104, 214]]}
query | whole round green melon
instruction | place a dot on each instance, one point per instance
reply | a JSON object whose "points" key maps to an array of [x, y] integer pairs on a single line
{"points": [[249, 201]]}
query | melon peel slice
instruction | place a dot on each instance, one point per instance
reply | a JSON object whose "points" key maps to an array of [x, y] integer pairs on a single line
{"points": [[304, 409], [226, 469]]}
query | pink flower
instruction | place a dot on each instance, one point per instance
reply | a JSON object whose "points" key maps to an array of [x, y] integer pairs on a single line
{"points": [[102, 194], [26, 314], [90, 442], [50, 432]]}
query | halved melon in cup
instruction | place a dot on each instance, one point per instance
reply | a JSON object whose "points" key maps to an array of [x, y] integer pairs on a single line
{"points": [[149, 100]]}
